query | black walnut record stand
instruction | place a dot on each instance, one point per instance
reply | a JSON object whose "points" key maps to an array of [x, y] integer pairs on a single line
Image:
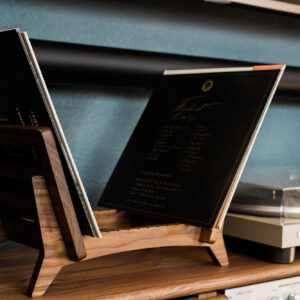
{"points": [[36, 210]]}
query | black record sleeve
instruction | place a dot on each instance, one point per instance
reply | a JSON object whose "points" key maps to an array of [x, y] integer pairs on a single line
{"points": [[185, 151]]}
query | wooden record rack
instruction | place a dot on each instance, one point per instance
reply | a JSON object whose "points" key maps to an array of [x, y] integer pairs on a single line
{"points": [[36, 210]]}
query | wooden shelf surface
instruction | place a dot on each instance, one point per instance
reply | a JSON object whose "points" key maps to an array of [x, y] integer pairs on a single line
{"points": [[146, 274]]}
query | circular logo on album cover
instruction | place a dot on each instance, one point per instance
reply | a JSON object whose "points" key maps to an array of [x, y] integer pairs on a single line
{"points": [[207, 86]]}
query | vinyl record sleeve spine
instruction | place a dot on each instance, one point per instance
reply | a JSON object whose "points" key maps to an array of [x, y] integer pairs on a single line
{"points": [[221, 217], [59, 133]]}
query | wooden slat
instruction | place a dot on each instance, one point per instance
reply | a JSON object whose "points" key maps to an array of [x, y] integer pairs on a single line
{"points": [[53, 255], [218, 297], [142, 238], [212, 296], [154, 236], [60, 195], [207, 295], [41, 142]]}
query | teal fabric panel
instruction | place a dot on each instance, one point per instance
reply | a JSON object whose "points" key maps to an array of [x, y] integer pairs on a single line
{"points": [[97, 123], [275, 158], [174, 26]]}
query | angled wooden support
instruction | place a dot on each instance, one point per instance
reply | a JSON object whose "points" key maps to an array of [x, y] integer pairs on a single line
{"points": [[53, 253], [26, 152], [217, 249]]}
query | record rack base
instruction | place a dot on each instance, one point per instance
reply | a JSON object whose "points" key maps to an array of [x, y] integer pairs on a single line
{"points": [[40, 214]]}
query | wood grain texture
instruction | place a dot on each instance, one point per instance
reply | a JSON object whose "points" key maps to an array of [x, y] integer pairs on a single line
{"points": [[207, 295], [148, 234], [218, 297], [210, 235], [61, 198], [212, 296], [26, 140], [53, 256], [217, 250], [161, 273], [154, 236], [50, 223]]}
